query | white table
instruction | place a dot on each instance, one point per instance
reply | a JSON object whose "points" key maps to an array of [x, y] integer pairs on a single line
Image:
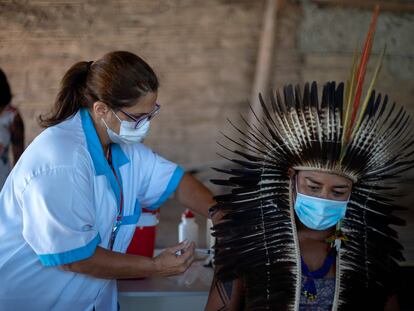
{"points": [[188, 291]]}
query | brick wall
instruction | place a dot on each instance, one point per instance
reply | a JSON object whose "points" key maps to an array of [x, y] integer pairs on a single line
{"points": [[203, 51]]}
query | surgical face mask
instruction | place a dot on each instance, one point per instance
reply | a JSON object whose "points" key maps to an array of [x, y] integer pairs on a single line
{"points": [[319, 214], [128, 134]]}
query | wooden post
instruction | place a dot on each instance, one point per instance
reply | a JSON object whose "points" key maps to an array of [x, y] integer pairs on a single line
{"points": [[264, 65]]}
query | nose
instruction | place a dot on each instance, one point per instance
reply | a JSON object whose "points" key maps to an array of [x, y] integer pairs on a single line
{"points": [[325, 193]]}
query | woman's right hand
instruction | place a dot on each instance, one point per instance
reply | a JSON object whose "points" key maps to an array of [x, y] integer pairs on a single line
{"points": [[171, 262]]}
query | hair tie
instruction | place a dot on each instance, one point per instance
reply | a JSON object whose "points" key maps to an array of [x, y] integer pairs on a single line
{"points": [[89, 65]]}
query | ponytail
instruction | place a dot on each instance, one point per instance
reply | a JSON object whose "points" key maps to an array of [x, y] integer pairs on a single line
{"points": [[119, 79], [71, 97]]}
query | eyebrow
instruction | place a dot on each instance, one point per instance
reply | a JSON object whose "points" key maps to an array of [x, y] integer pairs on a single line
{"points": [[320, 184]]}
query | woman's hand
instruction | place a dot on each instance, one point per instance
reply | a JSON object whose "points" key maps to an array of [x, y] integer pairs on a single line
{"points": [[170, 262], [106, 264]]}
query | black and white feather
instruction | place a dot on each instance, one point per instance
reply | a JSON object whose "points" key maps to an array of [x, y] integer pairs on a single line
{"points": [[257, 239]]}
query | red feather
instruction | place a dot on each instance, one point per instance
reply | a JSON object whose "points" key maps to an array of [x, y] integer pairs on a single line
{"points": [[362, 67]]}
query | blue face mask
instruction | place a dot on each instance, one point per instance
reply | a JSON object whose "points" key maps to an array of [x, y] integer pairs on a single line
{"points": [[319, 214]]}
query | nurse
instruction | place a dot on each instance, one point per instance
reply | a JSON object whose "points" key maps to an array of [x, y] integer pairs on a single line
{"points": [[70, 205]]}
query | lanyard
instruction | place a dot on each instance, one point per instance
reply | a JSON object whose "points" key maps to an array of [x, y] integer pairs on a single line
{"points": [[118, 221], [309, 287]]}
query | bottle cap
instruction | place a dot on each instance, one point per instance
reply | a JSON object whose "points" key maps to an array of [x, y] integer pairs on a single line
{"points": [[188, 214]]}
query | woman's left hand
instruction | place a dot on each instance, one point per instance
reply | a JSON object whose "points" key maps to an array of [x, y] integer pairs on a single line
{"points": [[170, 262]]}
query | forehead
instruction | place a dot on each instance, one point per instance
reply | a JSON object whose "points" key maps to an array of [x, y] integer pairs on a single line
{"points": [[324, 177], [144, 105]]}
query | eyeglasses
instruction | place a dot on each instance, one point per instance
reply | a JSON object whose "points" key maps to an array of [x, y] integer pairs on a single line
{"points": [[144, 116]]}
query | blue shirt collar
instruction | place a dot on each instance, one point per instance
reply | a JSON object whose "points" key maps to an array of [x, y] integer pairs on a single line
{"points": [[97, 154]]}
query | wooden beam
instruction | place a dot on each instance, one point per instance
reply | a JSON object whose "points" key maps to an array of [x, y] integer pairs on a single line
{"points": [[389, 6], [265, 57]]}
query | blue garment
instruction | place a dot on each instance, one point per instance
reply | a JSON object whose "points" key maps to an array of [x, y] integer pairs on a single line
{"points": [[324, 299], [309, 285], [7, 117]]}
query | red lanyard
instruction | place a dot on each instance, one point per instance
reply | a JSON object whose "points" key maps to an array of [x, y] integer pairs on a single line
{"points": [[121, 199], [121, 196]]}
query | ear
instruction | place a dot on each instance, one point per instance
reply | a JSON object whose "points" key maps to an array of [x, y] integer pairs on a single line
{"points": [[100, 109], [291, 172]]}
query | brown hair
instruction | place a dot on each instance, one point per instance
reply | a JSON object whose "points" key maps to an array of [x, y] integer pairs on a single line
{"points": [[118, 79]]}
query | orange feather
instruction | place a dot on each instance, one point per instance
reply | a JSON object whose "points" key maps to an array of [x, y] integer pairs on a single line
{"points": [[362, 68]]}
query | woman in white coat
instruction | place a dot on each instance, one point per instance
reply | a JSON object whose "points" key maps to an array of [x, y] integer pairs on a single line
{"points": [[70, 205]]}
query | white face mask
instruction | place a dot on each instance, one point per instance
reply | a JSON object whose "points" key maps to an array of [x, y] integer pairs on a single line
{"points": [[127, 133]]}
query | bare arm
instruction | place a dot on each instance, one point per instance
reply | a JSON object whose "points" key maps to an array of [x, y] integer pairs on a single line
{"points": [[106, 264], [17, 137], [194, 195], [226, 296], [218, 298]]}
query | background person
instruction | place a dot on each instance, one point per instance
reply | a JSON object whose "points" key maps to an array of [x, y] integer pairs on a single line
{"points": [[11, 130]]}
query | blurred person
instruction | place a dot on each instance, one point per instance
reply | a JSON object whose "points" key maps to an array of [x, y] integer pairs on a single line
{"points": [[11, 130]]}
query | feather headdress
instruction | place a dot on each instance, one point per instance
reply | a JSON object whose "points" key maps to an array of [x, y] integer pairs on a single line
{"points": [[369, 141]]}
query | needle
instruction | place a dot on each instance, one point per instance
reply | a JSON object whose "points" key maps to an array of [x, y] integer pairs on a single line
{"points": [[205, 251]]}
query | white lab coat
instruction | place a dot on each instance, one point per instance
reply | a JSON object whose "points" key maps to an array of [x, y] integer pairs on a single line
{"points": [[60, 202]]}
